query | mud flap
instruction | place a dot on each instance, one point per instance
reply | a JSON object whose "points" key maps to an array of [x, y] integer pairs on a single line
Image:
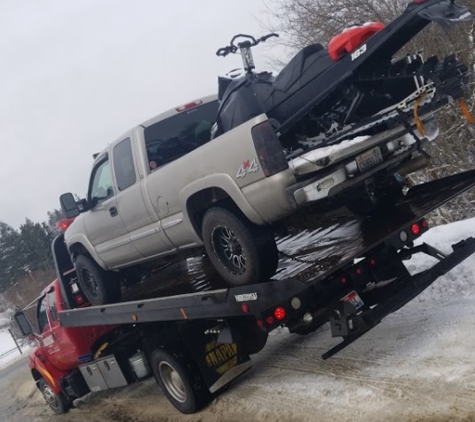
{"points": [[219, 356], [447, 13]]}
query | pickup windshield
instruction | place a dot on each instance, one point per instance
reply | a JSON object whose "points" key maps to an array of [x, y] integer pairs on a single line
{"points": [[176, 136]]}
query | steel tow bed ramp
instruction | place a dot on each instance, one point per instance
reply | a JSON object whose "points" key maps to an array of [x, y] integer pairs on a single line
{"points": [[357, 237], [414, 285]]}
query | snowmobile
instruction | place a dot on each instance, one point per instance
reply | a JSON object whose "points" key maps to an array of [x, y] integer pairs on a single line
{"points": [[354, 87]]}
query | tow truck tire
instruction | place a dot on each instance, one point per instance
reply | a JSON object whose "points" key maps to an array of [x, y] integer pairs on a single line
{"points": [[242, 252], [180, 381], [99, 286], [58, 403]]}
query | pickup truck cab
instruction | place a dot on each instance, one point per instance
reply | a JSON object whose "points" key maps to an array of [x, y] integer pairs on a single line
{"points": [[166, 187]]}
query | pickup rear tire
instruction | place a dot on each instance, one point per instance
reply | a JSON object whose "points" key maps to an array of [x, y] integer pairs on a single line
{"points": [[180, 381], [242, 252], [99, 286], [58, 403]]}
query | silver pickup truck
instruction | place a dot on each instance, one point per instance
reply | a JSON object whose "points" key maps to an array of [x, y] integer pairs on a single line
{"points": [[165, 187]]}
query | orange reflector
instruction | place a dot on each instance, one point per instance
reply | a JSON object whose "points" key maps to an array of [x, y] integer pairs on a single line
{"points": [[466, 112], [135, 317], [420, 126], [183, 313]]}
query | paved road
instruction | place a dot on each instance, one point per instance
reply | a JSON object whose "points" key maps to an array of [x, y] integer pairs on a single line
{"points": [[417, 366], [16, 389]]}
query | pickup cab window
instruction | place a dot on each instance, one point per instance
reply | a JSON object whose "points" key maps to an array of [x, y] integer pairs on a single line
{"points": [[42, 317], [101, 186], [124, 168], [176, 136], [52, 306]]}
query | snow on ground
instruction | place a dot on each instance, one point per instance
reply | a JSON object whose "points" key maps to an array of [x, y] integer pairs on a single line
{"points": [[8, 351], [458, 283]]}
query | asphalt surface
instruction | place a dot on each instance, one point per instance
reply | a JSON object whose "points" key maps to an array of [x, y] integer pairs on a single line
{"points": [[16, 389]]}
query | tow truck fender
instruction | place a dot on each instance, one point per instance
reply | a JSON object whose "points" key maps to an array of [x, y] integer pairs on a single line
{"points": [[46, 371]]}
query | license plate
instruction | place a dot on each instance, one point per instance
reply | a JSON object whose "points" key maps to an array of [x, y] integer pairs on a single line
{"points": [[354, 299], [369, 159]]}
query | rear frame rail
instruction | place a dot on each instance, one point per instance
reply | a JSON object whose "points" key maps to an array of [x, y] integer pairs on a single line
{"points": [[356, 325]]}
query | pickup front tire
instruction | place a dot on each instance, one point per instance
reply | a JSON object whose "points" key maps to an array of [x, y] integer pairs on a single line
{"points": [[99, 286], [241, 252]]}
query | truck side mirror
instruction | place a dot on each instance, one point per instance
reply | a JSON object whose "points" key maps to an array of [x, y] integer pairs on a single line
{"points": [[68, 205], [23, 324]]}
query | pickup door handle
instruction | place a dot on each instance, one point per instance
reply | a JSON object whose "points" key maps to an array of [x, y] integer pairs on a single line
{"points": [[113, 211]]}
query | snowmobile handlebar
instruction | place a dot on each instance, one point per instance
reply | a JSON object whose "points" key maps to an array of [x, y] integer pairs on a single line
{"points": [[249, 41]]}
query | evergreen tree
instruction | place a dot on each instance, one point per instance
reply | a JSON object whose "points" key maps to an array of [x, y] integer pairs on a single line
{"points": [[11, 258]]}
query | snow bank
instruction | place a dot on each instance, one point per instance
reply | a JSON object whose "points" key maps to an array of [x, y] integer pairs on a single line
{"points": [[5, 317], [8, 351], [458, 283]]}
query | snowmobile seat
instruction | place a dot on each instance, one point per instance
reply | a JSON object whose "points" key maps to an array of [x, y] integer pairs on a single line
{"points": [[293, 70], [298, 82]]}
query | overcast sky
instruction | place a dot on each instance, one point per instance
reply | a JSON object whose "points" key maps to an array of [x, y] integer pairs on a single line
{"points": [[76, 74]]}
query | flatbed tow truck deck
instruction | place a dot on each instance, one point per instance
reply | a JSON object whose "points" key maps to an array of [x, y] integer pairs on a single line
{"points": [[317, 266], [341, 269]]}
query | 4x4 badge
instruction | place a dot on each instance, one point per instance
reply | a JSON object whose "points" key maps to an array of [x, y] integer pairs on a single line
{"points": [[247, 167]]}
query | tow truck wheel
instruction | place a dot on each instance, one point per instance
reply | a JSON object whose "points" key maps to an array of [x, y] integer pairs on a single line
{"points": [[99, 286], [58, 403], [241, 252], [181, 383]]}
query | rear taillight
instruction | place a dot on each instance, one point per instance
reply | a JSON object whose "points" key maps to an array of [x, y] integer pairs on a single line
{"points": [[416, 229], [268, 148], [279, 313]]}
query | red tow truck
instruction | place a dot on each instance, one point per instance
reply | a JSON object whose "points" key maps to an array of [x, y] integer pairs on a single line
{"points": [[348, 272]]}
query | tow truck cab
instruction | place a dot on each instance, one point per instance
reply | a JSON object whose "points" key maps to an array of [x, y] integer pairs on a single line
{"points": [[73, 360], [60, 350]]}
